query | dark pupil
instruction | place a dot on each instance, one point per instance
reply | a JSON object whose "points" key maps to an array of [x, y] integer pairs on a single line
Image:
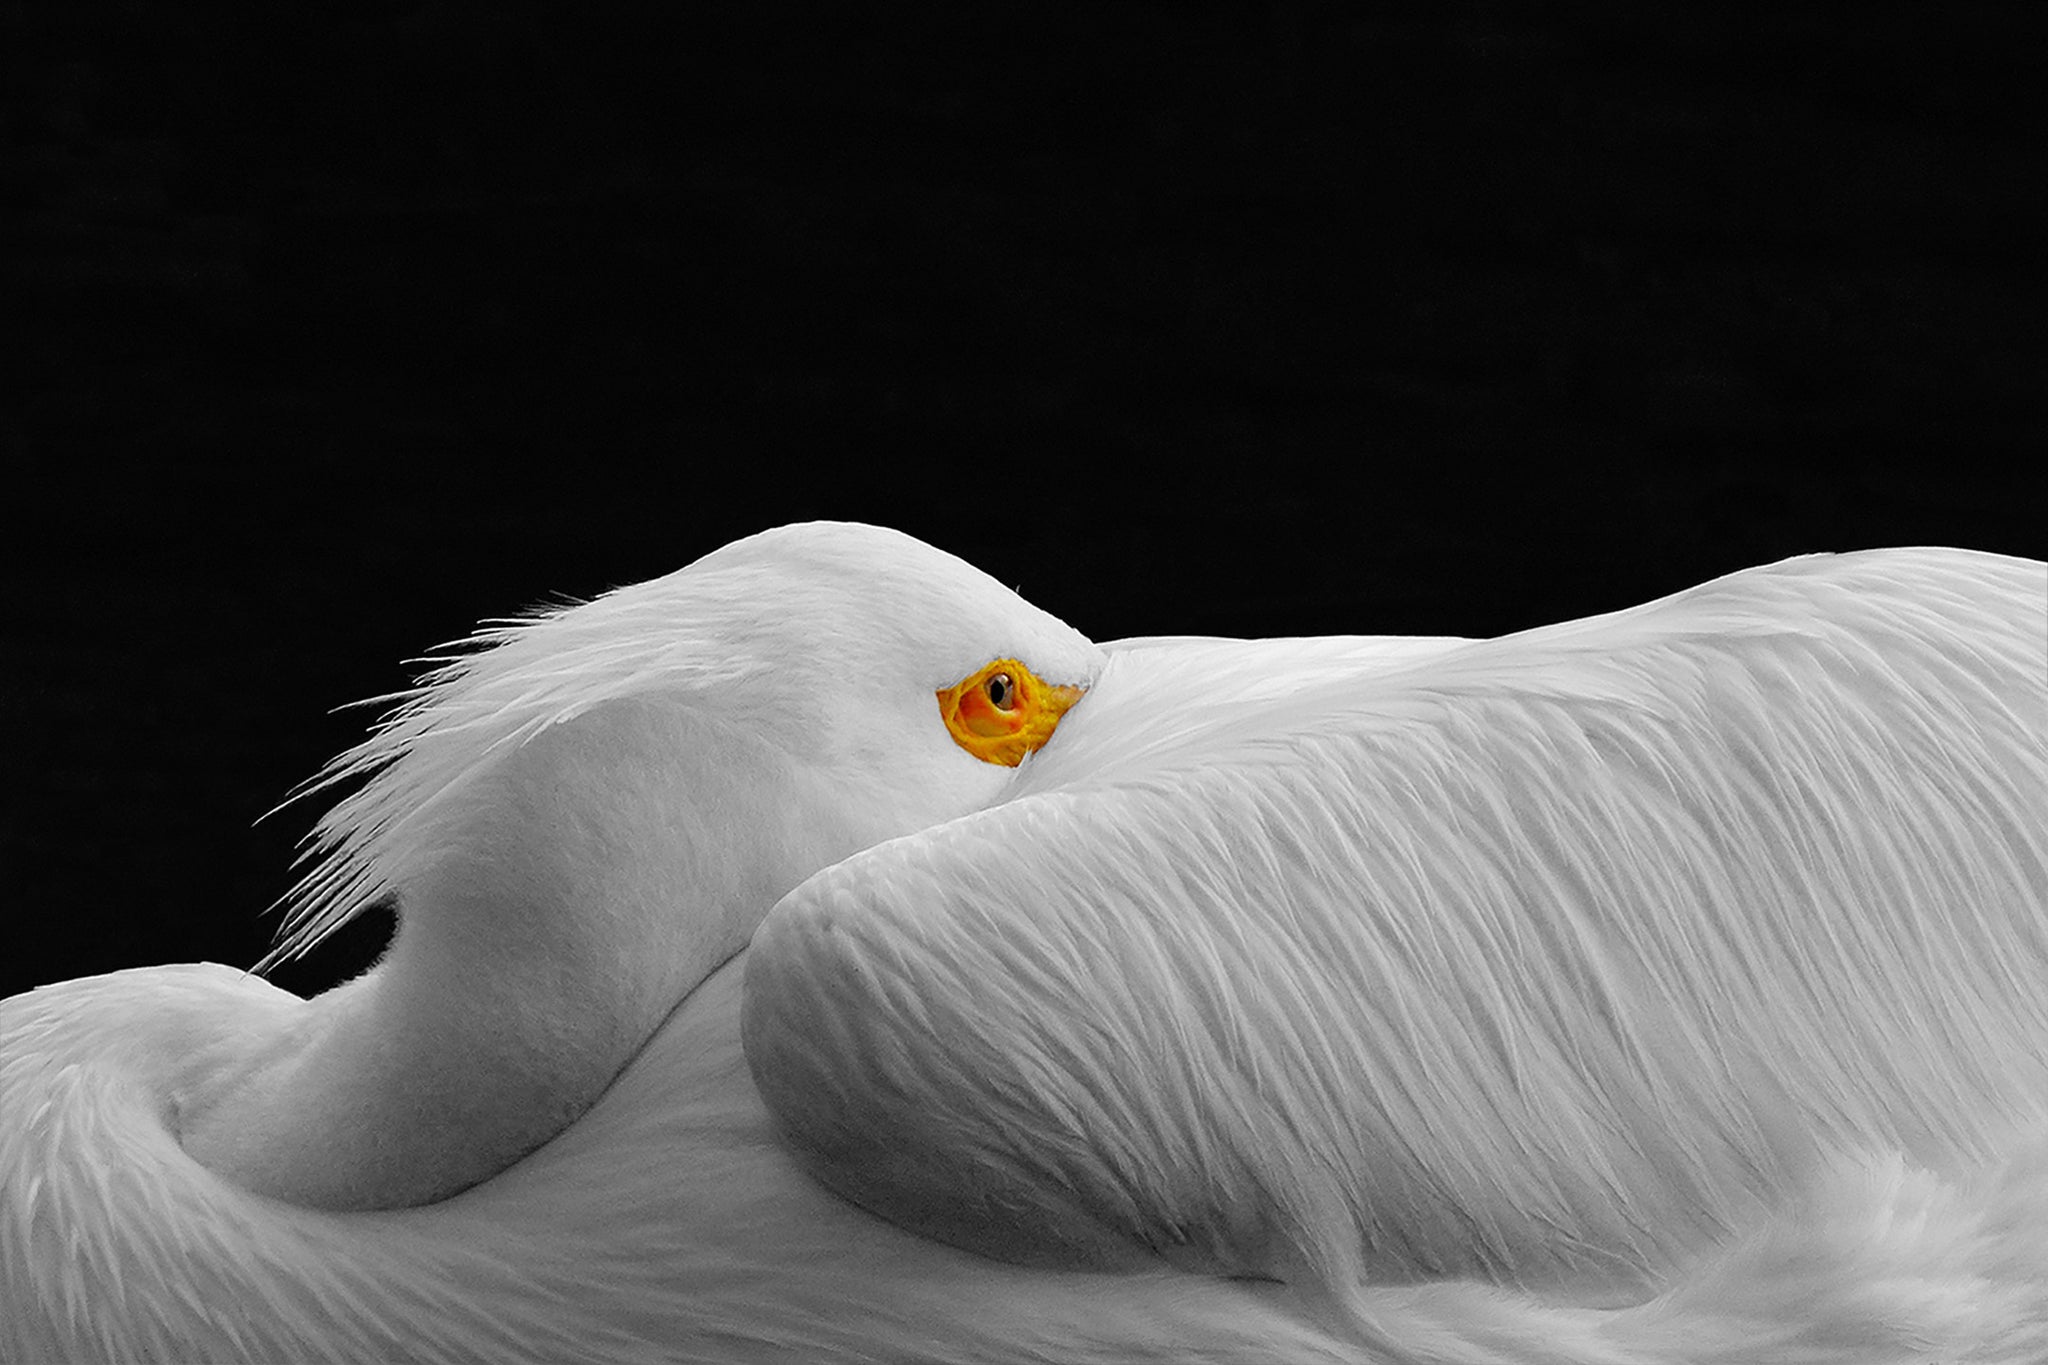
{"points": [[999, 690]]}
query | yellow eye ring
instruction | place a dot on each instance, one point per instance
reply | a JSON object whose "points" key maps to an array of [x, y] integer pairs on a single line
{"points": [[1001, 711]]}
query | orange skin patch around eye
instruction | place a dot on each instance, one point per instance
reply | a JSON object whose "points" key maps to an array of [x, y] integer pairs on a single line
{"points": [[1001, 711]]}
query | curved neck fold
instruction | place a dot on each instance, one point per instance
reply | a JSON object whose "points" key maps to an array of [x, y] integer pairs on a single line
{"points": [[586, 882]]}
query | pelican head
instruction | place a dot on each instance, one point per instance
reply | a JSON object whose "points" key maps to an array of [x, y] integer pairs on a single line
{"points": [[586, 812]]}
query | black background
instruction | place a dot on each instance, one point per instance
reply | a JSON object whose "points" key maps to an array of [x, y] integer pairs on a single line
{"points": [[329, 330]]}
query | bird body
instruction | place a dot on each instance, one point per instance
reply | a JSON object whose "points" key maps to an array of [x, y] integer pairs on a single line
{"points": [[1662, 987], [1549, 959]]}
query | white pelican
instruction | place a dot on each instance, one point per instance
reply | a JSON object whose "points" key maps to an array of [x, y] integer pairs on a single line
{"points": [[1670, 986]]}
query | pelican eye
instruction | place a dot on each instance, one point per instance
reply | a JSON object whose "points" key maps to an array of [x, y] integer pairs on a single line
{"points": [[1001, 711]]}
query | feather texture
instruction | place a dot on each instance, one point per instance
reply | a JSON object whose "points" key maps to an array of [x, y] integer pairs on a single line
{"points": [[1662, 988], [1548, 961]]}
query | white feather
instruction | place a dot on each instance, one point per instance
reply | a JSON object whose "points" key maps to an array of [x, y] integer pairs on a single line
{"points": [[1552, 961], [1658, 988]]}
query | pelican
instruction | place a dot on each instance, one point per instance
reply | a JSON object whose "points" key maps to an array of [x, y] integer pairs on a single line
{"points": [[819, 953]]}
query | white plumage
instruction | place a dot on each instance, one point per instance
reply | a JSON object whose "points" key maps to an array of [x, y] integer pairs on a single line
{"points": [[1663, 987]]}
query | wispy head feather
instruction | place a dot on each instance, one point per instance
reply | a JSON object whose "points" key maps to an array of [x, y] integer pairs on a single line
{"points": [[482, 697]]}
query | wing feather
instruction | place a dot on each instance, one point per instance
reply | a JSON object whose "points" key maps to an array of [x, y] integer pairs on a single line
{"points": [[1545, 959]]}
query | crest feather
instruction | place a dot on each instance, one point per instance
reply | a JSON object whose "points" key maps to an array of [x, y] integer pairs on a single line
{"points": [[483, 697]]}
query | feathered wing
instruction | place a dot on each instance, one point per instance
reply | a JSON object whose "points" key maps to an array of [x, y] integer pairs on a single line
{"points": [[1554, 960]]}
